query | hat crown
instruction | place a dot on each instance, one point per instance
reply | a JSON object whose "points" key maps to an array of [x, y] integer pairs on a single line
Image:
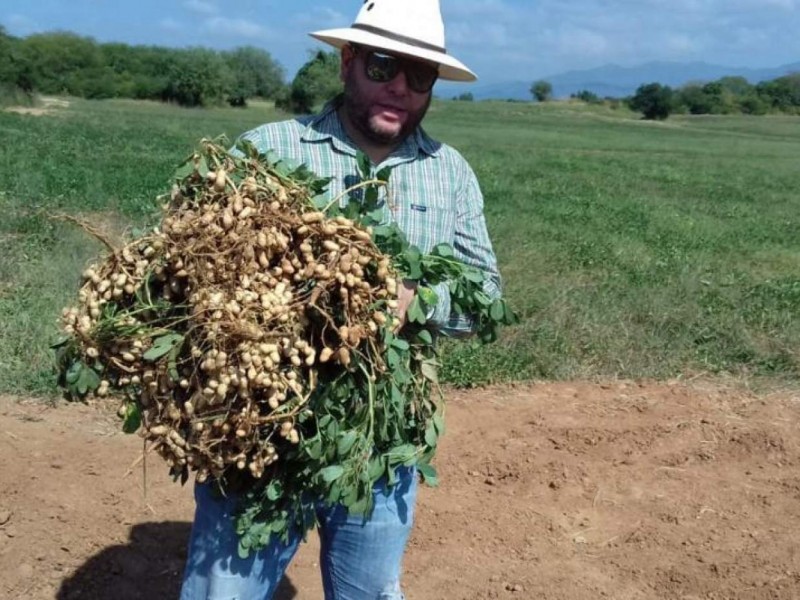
{"points": [[411, 20], [411, 27]]}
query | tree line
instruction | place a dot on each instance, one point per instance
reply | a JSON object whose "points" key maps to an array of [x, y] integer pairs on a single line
{"points": [[725, 96], [66, 63]]}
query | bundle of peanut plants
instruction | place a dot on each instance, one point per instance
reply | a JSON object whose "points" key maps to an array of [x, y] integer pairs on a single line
{"points": [[252, 338]]}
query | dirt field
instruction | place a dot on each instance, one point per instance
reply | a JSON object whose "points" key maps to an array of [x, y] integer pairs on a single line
{"points": [[556, 491], [47, 106]]}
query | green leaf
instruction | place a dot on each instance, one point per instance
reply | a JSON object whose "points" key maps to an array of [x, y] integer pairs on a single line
{"points": [[429, 371], [473, 275], [415, 312], [402, 452], [383, 174], [274, 490], [320, 201], [202, 166], [61, 344], [431, 437], [400, 344], [443, 250], [428, 473], [428, 296], [393, 358], [370, 198], [510, 318], [376, 216], [402, 376], [377, 465], [351, 211], [346, 442], [425, 336], [246, 148], [243, 548], [88, 381], [278, 524], [482, 298], [350, 498], [413, 259], [331, 473], [313, 449], [362, 507], [397, 397], [162, 345], [438, 422], [335, 493], [364, 165], [184, 171], [497, 311], [74, 372], [332, 428], [133, 418]]}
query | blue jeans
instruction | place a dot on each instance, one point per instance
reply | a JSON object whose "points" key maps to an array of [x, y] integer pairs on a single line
{"points": [[360, 560]]}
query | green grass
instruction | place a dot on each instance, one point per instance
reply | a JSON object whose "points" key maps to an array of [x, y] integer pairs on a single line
{"points": [[13, 96], [636, 249], [630, 248]]}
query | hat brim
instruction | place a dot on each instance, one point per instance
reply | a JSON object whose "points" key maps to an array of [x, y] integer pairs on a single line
{"points": [[450, 69]]}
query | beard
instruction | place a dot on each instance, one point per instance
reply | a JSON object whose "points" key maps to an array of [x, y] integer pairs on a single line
{"points": [[358, 109]]}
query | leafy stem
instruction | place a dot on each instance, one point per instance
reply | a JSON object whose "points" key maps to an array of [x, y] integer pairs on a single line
{"points": [[376, 183]]}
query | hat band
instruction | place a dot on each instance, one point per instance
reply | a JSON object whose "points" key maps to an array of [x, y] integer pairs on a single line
{"points": [[399, 38]]}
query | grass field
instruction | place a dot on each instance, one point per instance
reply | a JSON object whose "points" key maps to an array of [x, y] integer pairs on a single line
{"points": [[630, 248]]}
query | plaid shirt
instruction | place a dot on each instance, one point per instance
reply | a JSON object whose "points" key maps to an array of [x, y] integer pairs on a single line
{"points": [[433, 193]]}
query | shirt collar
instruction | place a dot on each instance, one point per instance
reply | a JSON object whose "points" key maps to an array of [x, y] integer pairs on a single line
{"points": [[327, 126]]}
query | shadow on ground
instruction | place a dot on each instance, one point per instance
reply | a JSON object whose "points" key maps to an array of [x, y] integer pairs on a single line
{"points": [[148, 567]]}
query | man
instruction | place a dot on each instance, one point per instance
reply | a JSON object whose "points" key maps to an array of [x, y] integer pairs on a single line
{"points": [[391, 57]]}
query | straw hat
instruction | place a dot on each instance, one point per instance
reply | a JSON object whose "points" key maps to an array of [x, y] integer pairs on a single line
{"points": [[411, 27]]}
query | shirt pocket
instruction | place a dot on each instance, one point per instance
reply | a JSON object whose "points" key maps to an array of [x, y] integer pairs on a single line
{"points": [[427, 215], [426, 225]]}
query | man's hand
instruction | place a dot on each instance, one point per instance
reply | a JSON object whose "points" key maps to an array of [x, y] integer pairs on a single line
{"points": [[405, 295]]}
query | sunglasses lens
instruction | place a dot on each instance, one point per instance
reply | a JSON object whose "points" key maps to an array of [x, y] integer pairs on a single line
{"points": [[421, 77], [382, 68]]}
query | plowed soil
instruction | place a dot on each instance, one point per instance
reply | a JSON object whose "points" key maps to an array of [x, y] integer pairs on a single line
{"points": [[553, 491]]}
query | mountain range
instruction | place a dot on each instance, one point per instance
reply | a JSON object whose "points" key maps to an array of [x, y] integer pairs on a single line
{"points": [[616, 81]]}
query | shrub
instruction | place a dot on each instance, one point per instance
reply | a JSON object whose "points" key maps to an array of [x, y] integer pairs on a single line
{"points": [[653, 100]]}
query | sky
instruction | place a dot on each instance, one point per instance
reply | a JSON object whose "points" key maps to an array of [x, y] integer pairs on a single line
{"points": [[501, 40]]}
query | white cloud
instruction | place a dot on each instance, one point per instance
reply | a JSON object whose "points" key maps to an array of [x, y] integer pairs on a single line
{"points": [[503, 39], [751, 38], [171, 25], [487, 35], [500, 39], [785, 5], [477, 8], [496, 35], [679, 44], [235, 28], [460, 33], [581, 42], [321, 17], [201, 6]]}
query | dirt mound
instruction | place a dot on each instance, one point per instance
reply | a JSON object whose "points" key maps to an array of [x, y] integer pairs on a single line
{"points": [[555, 491]]}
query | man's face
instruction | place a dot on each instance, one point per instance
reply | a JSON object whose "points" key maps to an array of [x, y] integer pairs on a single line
{"points": [[386, 113]]}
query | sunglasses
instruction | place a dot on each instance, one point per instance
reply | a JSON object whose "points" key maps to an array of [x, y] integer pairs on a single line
{"points": [[383, 68]]}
